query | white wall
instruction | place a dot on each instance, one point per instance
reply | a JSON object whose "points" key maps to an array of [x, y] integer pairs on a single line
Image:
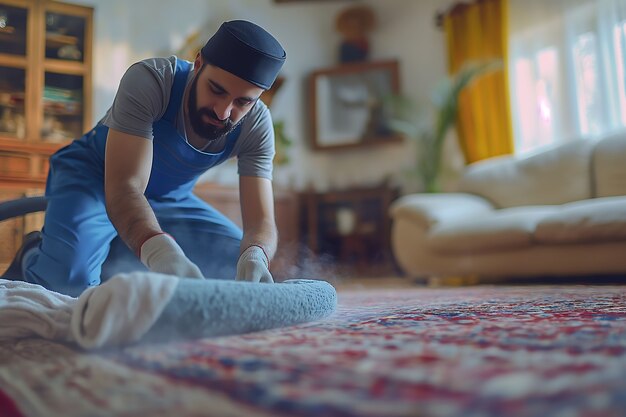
{"points": [[126, 31]]}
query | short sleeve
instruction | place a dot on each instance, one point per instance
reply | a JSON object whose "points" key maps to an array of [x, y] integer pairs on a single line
{"points": [[142, 97], [257, 150]]}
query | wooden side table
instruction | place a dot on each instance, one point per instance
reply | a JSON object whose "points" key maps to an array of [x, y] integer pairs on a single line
{"points": [[352, 226]]}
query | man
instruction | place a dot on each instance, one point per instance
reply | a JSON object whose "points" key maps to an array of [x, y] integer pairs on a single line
{"points": [[123, 192]]}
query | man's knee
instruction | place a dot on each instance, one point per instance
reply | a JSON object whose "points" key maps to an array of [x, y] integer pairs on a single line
{"points": [[63, 277]]}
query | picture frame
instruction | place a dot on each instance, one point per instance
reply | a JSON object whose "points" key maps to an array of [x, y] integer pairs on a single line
{"points": [[347, 105], [301, 1]]}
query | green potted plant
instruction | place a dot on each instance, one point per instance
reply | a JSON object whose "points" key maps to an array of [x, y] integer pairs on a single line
{"points": [[430, 135], [281, 142]]}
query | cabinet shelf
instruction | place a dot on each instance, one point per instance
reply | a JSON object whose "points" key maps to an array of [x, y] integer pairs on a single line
{"points": [[57, 40], [61, 113], [7, 31], [12, 106], [15, 61], [65, 67], [9, 134]]}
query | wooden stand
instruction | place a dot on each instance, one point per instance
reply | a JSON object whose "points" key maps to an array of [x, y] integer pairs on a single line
{"points": [[352, 227]]}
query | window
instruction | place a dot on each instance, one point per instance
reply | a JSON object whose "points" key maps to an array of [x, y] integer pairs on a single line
{"points": [[567, 71], [619, 37], [536, 95], [584, 52]]}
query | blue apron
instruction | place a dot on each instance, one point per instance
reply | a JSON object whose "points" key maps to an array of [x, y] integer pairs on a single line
{"points": [[77, 233]]}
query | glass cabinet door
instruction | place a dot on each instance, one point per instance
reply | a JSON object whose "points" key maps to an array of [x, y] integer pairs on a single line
{"points": [[45, 71], [45, 91], [65, 36], [13, 30], [12, 100], [62, 107]]}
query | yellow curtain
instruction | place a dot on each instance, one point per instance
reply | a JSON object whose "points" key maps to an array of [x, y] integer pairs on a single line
{"points": [[474, 32]]}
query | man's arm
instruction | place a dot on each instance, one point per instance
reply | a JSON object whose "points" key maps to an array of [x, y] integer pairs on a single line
{"points": [[257, 213], [260, 236], [127, 167], [128, 161]]}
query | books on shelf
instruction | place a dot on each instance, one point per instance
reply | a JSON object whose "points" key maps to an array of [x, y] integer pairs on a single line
{"points": [[62, 100]]}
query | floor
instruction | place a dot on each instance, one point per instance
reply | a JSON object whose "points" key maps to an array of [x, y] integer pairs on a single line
{"points": [[373, 282], [391, 281]]}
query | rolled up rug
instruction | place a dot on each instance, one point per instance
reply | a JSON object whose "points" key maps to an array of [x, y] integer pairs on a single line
{"points": [[217, 308], [146, 307]]}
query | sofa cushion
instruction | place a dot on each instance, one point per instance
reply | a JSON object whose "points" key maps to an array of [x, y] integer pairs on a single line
{"points": [[609, 166], [427, 209], [556, 176], [503, 229], [587, 221]]}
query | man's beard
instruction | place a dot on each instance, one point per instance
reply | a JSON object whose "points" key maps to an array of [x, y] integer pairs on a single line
{"points": [[205, 130]]}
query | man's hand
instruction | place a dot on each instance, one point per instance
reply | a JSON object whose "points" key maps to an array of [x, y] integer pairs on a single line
{"points": [[253, 266], [162, 254]]}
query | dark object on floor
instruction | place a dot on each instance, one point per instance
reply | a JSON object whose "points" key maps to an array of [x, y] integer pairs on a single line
{"points": [[16, 208], [14, 271]]}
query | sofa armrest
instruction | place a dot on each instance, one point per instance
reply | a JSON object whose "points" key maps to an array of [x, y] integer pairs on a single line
{"points": [[429, 209]]}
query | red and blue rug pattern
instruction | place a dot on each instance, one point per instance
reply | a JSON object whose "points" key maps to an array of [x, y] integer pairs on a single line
{"points": [[469, 351]]}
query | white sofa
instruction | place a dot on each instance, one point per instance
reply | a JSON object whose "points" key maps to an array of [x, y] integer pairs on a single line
{"points": [[561, 212]]}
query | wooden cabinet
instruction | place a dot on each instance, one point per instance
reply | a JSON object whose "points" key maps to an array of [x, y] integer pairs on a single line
{"points": [[287, 215], [351, 228], [45, 96]]}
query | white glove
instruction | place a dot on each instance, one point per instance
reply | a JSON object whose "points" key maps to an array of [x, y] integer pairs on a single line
{"points": [[162, 254], [253, 266]]}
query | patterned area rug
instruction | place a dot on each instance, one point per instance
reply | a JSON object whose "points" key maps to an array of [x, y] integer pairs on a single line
{"points": [[476, 351]]}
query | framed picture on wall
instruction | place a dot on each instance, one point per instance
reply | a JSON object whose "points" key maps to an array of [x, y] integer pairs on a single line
{"points": [[301, 1], [347, 104]]}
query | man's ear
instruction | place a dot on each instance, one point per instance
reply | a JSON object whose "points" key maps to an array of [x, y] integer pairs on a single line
{"points": [[197, 63]]}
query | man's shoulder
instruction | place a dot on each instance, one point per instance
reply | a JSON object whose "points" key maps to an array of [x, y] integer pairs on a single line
{"points": [[257, 121], [259, 112], [164, 67]]}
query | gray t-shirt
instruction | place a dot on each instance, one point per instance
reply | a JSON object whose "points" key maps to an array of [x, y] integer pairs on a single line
{"points": [[142, 99]]}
